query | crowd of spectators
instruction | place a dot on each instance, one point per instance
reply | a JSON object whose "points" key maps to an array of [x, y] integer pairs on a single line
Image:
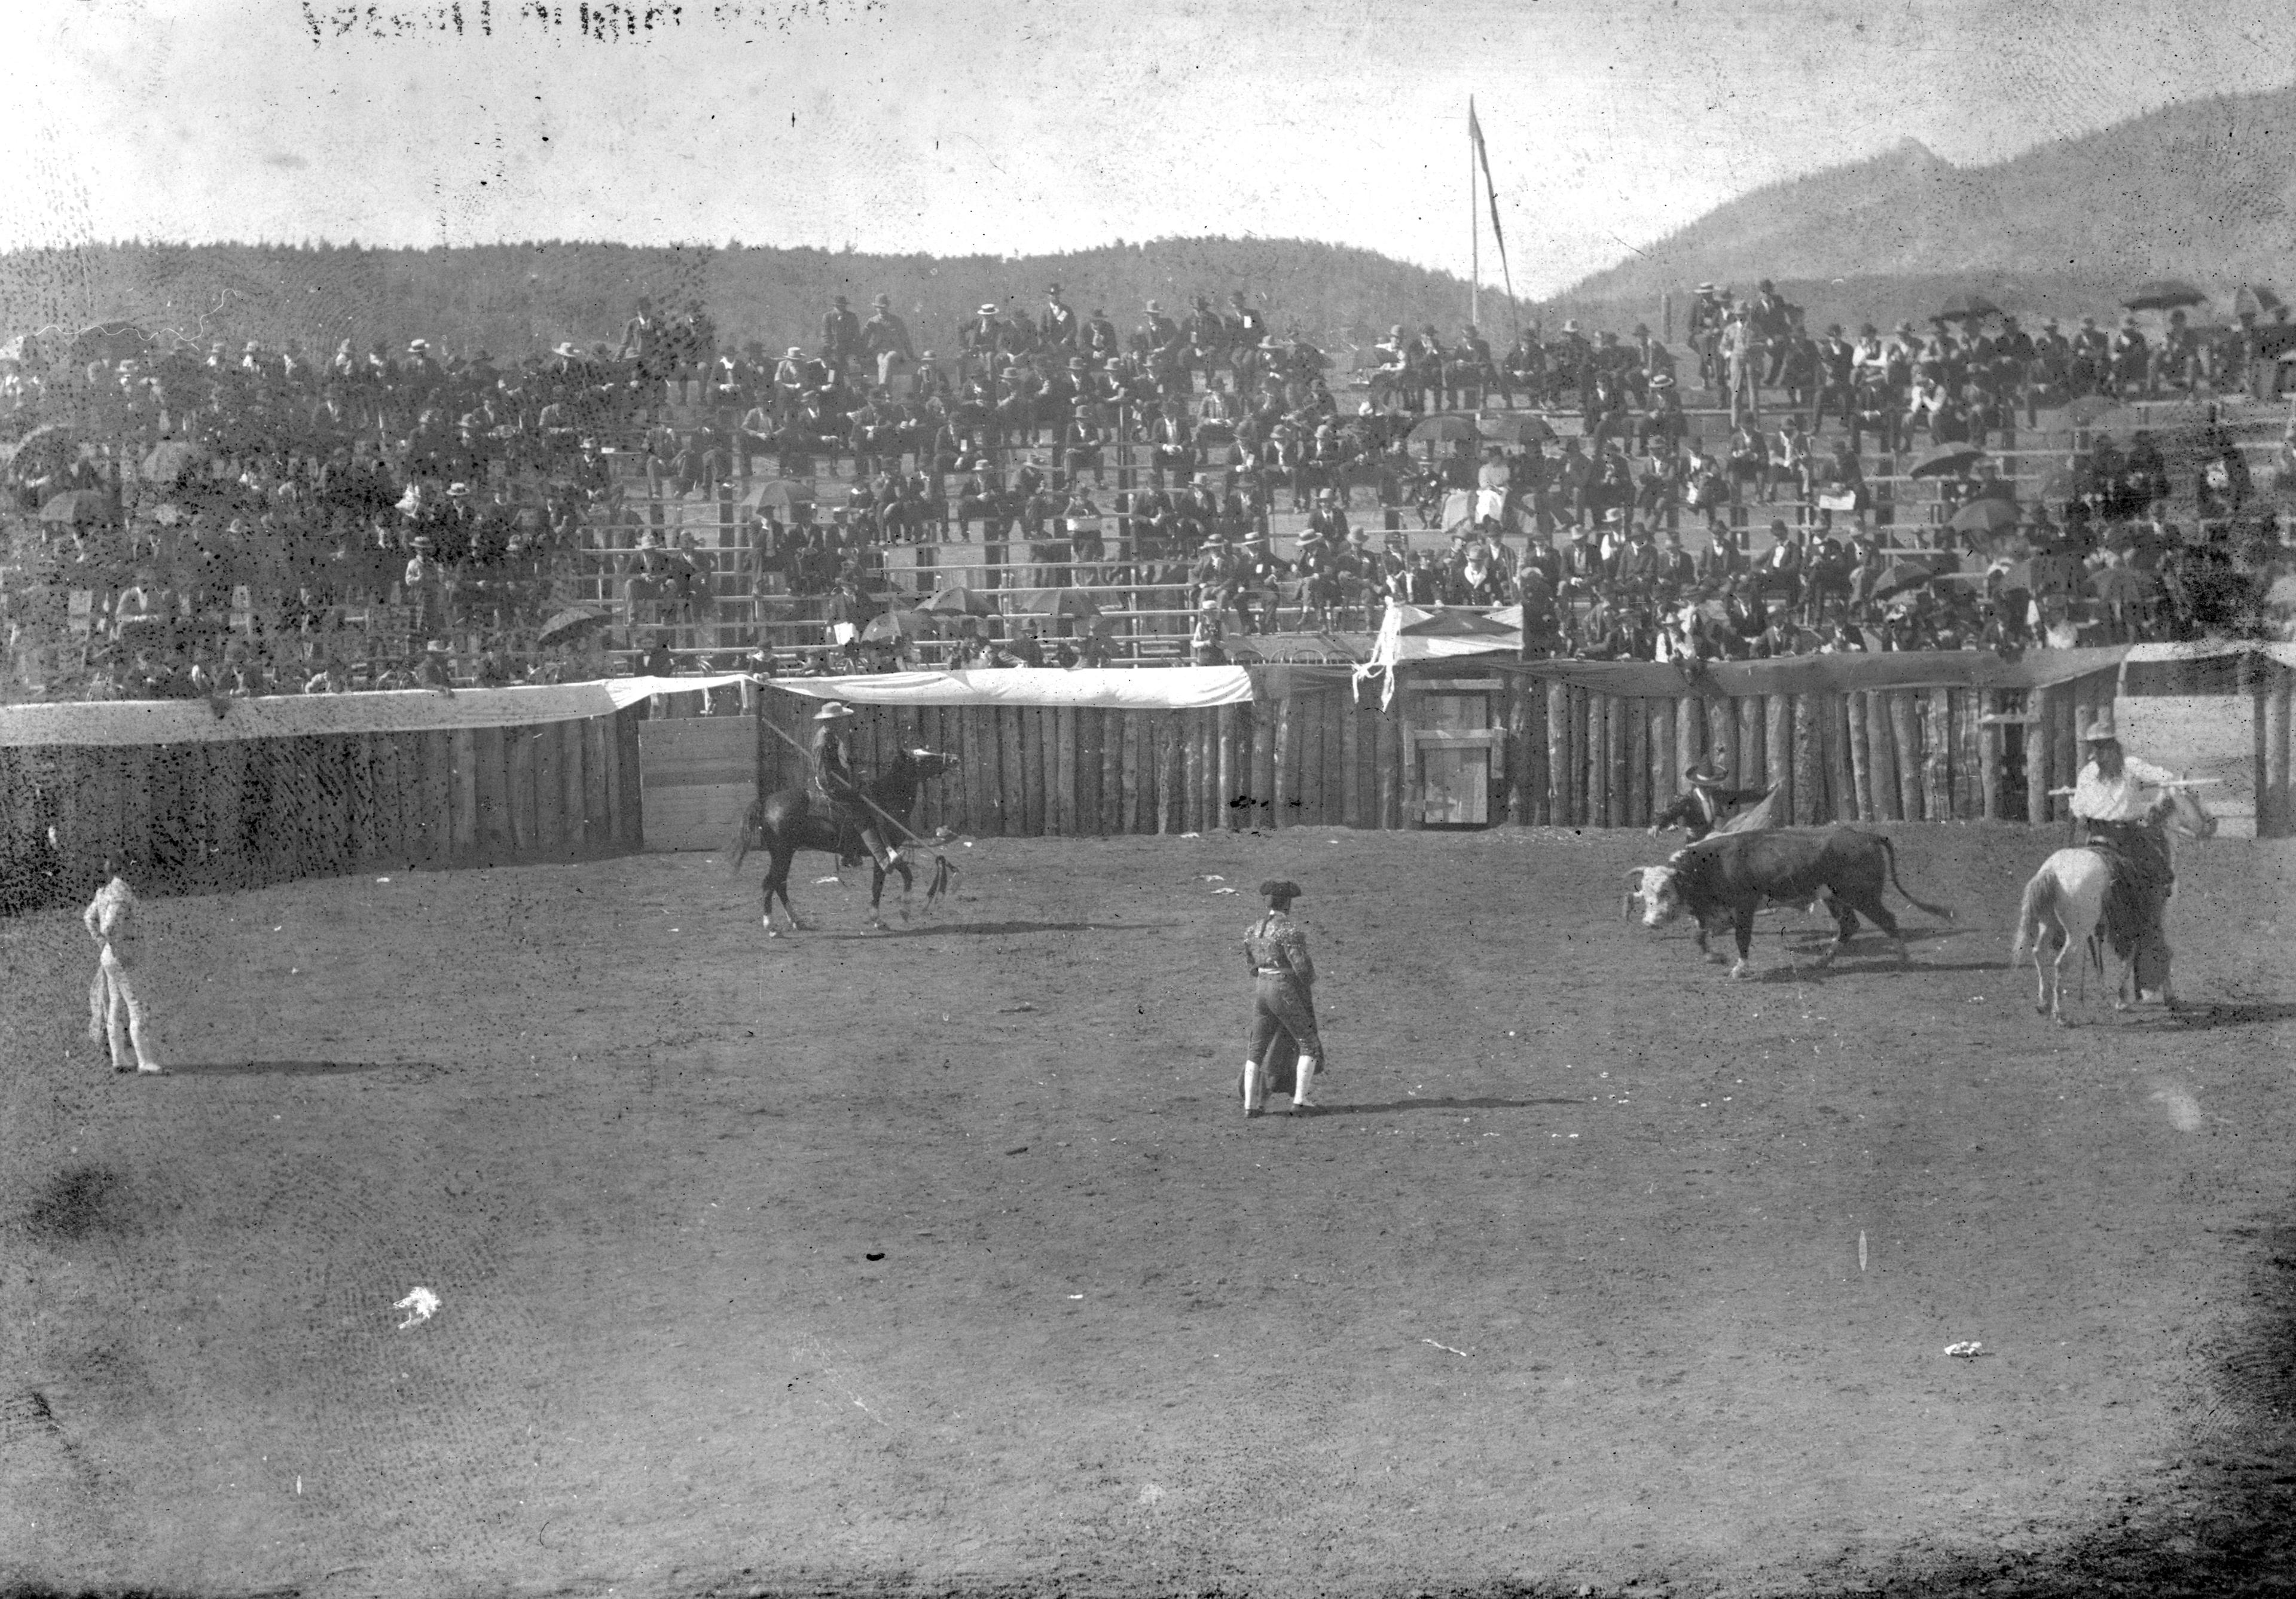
{"points": [[234, 512]]}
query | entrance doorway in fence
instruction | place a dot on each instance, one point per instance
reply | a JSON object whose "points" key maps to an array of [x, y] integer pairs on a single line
{"points": [[1461, 753]]}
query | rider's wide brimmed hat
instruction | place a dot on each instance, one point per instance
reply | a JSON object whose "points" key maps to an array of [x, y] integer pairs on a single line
{"points": [[2100, 730], [1706, 775], [832, 710]]}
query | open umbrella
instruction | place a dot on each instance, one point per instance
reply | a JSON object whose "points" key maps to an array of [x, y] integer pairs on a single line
{"points": [[1516, 428], [1968, 307], [567, 625], [957, 601], [49, 438], [77, 507], [1911, 570], [2250, 301], [1056, 602], [1985, 517], [894, 625], [168, 461], [1946, 461], [1444, 429], [2162, 293], [2119, 585], [784, 494]]}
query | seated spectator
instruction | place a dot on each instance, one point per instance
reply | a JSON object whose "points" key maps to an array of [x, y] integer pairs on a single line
{"points": [[657, 661], [492, 670], [333, 677], [436, 669]]}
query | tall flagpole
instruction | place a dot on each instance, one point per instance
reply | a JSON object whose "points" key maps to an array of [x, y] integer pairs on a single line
{"points": [[1474, 229]]}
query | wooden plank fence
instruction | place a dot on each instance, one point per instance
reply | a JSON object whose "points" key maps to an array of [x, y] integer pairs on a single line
{"points": [[243, 813], [1562, 756]]}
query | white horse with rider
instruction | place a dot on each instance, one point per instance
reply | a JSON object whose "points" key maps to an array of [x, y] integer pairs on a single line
{"points": [[2065, 908]]}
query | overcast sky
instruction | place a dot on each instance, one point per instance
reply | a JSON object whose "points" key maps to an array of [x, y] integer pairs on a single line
{"points": [[1009, 127]]}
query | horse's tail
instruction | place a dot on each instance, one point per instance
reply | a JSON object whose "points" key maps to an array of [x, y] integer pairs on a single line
{"points": [[1890, 853], [2040, 901], [752, 819]]}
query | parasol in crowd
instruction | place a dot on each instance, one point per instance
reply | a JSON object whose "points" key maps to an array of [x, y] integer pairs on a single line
{"points": [[2250, 301], [1946, 461], [78, 507], [1908, 570], [1516, 428], [1968, 307], [894, 625], [1443, 428], [567, 625], [2162, 294], [48, 438], [785, 494], [957, 601], [1985, 517], [169, 459], [1056, 602]]}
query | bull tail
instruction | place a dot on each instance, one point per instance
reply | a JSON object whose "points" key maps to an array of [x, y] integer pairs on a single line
{"points": [[742, 839], [2040, 902], [1889, 854]]}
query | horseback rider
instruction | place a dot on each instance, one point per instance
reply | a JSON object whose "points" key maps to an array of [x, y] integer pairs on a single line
{"points": [[2120, 804], [834, 785], [1283, 978]]}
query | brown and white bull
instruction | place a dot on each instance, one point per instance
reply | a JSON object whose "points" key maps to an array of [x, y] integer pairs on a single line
{"points": [[1730, 878]]}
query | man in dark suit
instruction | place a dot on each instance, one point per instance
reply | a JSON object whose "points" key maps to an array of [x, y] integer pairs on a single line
{"points": [[1057, 327], [840, 334]]}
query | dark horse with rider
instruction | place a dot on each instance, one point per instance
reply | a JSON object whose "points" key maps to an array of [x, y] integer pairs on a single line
{"points": [[835, 812]]}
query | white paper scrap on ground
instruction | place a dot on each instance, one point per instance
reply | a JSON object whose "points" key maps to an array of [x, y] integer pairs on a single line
{"points": [[1965, 1350], [419, 1306]]}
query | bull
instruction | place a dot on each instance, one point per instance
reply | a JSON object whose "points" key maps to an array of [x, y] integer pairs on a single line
{"points": [[1732, 877]]}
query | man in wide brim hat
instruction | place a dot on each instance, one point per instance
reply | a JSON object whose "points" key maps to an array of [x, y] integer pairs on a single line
{"points": [[2119, 806], [1283, 998], [837, 791]]}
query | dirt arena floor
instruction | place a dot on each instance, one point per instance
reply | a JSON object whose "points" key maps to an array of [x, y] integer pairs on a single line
{"points": [[944, 1260]]}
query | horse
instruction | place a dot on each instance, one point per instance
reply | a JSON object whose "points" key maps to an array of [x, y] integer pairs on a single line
{"points": [[2065, 904], [785, 822]]}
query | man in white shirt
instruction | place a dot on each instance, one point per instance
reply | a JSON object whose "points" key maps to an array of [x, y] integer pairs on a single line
{"points": [[2120, 803], [110, 919]]}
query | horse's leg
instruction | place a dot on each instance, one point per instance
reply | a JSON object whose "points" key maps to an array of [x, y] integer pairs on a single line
{"points": [[876, 894], [778, 883]]}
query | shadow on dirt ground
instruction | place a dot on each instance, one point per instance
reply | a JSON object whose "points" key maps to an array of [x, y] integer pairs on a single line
{"points": [[297, 1068], [2222, 1519]]}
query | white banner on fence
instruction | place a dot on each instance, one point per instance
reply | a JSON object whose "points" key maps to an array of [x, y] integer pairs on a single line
{"points": [[288, 716], [1117, 688]]}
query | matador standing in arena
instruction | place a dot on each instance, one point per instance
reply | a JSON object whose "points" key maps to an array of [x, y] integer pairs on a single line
{"points": [[110, 920], [835, 786], [2120, 803], [1284, 985]]}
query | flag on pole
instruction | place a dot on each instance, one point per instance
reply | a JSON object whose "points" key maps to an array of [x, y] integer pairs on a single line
{"points": [[1483, 156], [1475, 132]]}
